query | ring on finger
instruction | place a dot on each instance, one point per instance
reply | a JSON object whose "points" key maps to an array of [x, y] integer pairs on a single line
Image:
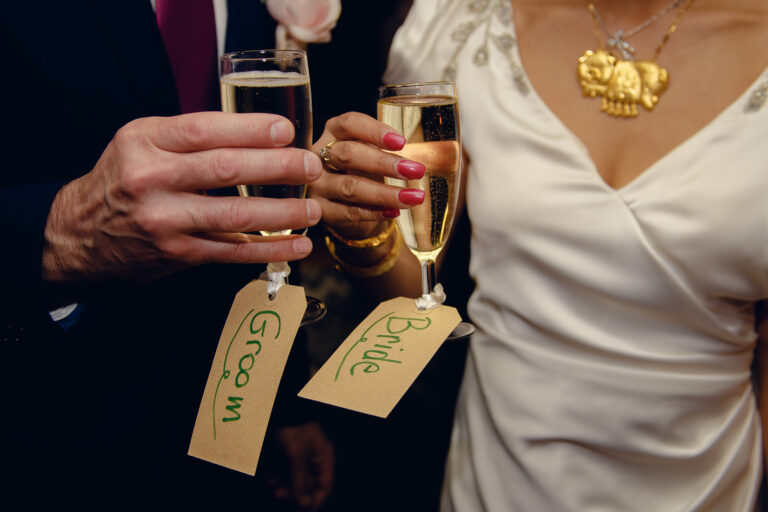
{"points": [[325, 155]]}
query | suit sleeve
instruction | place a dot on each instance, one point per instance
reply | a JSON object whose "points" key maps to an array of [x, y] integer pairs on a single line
{"points": [[23, 215]]}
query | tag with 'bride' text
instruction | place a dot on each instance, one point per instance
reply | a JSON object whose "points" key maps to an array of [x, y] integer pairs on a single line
{"points": [[246, 372], [374, 367]]}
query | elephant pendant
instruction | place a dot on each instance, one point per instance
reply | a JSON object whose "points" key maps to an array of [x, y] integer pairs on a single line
{"points": [[621, 83]]}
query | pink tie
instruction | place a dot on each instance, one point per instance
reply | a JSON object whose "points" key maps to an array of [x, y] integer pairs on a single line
{"points": [[189, 34]]}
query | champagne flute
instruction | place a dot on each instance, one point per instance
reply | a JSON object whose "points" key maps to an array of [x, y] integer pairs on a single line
{"points": [[275, 82], [427, 115]]}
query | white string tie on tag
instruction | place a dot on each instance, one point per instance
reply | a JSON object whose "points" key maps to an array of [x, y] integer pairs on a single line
{"points": [[431, 300], [276, 276]]}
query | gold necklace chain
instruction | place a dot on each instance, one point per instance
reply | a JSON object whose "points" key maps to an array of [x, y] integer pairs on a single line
{"points": [[624, 83], [672, 28]]}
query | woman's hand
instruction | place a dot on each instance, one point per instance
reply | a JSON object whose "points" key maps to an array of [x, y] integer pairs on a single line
{"points": [[355, 201]]}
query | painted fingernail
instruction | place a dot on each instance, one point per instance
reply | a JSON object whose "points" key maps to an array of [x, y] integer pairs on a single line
{"points": [[281, 132], [394, 141], [313, 212], [390, 213], [302, 246], [410, 170], [312, 166], [411, 196]]}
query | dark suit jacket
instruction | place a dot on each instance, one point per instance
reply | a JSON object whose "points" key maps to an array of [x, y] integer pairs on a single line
{"points": [[104, 412]]}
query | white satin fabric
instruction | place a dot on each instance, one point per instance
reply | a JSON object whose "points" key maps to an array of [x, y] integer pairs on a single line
{"points": [[612, 367]]}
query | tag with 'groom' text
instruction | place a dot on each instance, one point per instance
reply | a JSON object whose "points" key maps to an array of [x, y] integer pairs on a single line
{"points": [[374, 367], [246, 372]]}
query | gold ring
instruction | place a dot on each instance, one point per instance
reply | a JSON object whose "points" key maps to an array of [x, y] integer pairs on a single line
{"points": [[325, 155]]}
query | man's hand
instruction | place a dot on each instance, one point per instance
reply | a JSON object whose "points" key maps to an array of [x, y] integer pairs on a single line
{"points": [[311, 459], [140, 213]]}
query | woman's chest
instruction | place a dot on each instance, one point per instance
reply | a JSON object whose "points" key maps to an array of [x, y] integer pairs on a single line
{"points": [[690, 193], [630, 113], [698, 215]]}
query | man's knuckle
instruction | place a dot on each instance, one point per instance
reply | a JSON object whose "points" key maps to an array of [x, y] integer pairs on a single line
{"points": [[173, 250], [128, 134], [235, 254], [237, 216], [149, 221], [278, 251], [134, 182], [285, 161], [227, 165], [194, 130]]}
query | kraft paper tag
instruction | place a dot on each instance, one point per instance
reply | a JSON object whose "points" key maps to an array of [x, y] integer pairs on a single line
{"points": [[374, 367], [245, 374]]}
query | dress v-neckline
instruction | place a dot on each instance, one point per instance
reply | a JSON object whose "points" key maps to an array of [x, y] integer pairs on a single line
{"points": [[735, 107], [738, 102]]}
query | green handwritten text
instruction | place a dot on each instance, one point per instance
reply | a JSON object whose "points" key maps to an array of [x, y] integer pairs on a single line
{"points": [[261, 323], [383, 347], [233, 408]]}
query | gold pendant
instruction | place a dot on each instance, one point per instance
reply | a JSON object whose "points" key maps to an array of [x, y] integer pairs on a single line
{"points": [[621, 83]]}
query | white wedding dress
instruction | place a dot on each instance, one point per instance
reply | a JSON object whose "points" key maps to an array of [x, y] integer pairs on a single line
{"points": [[611, 371]]}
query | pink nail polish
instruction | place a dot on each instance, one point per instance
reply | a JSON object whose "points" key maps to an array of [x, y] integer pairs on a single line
{"points": [[394, 141], [390, 213], [411, 196], [410, 170]]}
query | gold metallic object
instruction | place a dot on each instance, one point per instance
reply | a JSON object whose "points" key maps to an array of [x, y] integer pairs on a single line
{"points": [[623, 84], [364, 243], [379, 268], [325, 155]]}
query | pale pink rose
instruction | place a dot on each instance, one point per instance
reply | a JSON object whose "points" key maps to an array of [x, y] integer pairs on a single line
{"points": [[304, 21]]}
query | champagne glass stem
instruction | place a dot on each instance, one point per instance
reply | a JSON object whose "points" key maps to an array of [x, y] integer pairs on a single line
{"points": [[427, 278], [432, 294]]}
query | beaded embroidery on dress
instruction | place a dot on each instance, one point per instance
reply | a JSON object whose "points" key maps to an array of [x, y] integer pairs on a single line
{"points": [[757, 98], [494, 17]]}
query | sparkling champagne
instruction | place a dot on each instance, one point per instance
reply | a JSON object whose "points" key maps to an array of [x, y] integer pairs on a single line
{"points": [[273, 92], [430, 127]]}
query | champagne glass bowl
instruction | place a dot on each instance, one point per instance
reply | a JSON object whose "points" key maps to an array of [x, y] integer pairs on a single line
{"points": [[427, 115], [275, 82]]}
